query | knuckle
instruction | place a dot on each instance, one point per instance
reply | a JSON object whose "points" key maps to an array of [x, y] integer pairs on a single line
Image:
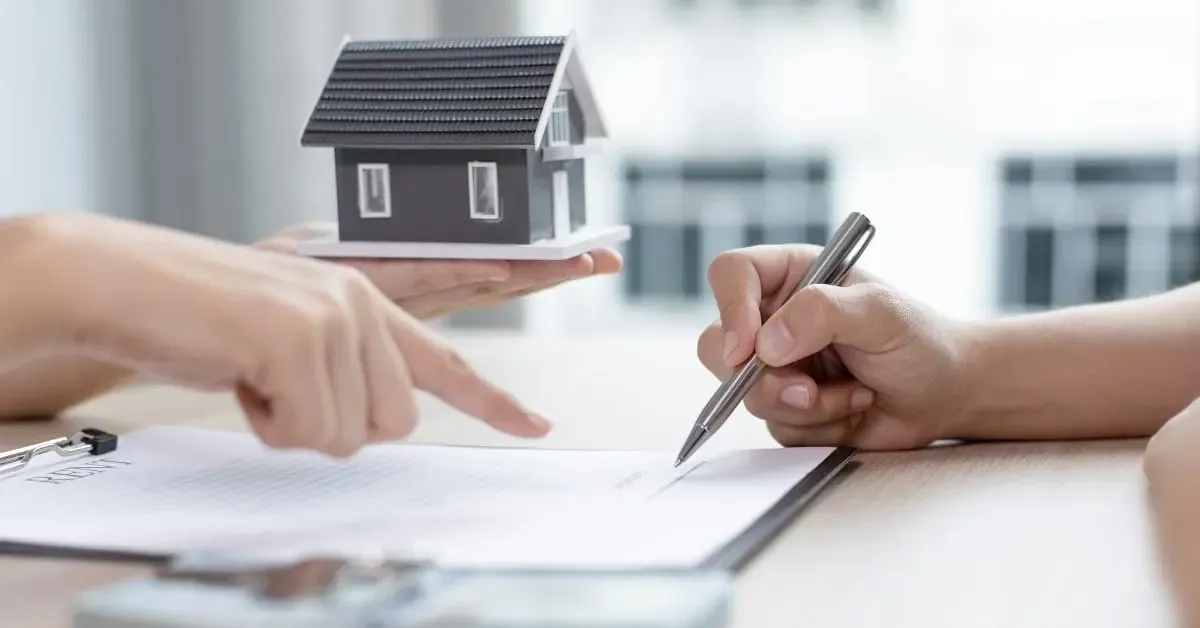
{"points": [[811, 251], [352, 285], [288, 436], [250, 364], [821, 296], [880, 297], [803, 255], [452, 368], [300, 328], [454, 363], [728, 310], [403, 421], [816, 308], [325, 313], [307, 323], [333, 305], [272, 438], [343, 449], [404, 429], [723, 263], [389, 426], [901, 319], [405, 424]]}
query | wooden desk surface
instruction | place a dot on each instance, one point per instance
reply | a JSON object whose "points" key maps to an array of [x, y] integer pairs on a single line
{"points": [[1051, 534]]}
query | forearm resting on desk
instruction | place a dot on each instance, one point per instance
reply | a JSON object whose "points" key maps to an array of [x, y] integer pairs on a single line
{"points": [[1108, 370], [37, 378], [48, 386]]}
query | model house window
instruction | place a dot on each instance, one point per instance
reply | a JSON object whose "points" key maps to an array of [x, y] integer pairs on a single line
{"points": [[374, 191], [560, 120], [485, 191], [1079, 230], [683, 213]]}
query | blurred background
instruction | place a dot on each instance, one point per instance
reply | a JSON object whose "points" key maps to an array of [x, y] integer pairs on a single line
{"points": [[1017, 155]]}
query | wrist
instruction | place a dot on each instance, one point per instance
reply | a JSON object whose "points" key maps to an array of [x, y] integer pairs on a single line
{"points": [[34, 315], [989, 398]]}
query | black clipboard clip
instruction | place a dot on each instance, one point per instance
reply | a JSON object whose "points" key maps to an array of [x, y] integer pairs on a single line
{"points": [[89, 441]]}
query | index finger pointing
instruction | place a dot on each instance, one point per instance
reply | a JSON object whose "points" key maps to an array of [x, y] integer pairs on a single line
{"points": [[439, 370]]}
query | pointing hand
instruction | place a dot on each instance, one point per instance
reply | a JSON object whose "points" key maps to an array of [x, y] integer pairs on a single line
{"points": [[317, 355], [432, 288]]}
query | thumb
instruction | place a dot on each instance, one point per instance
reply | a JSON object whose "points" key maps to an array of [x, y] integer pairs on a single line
{"points": [[867, 317]]}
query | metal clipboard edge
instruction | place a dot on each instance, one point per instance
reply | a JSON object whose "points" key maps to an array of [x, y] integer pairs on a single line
{"points": [[735, 555]]}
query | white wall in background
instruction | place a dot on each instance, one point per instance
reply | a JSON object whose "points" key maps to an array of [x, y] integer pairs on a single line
{"points": [[915, 111], [176, 111], [283, 66], [46, 117]]}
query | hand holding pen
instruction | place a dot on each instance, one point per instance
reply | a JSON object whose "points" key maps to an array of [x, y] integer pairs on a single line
{"points": [[860, 364], [831, 267]]}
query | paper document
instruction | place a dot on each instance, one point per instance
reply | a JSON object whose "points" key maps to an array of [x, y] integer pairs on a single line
{"points": [[169, 490]]}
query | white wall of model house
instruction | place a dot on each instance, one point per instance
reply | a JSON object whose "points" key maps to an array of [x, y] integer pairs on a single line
{"points": [[914, 110]]}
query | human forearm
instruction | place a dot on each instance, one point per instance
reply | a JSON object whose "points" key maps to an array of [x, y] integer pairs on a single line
{"points": [[37, 374], [28, 311], [1108, 370], [47, 386]]}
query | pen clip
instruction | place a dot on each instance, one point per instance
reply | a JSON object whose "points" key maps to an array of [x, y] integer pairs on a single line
{"points": [[846, 266]]}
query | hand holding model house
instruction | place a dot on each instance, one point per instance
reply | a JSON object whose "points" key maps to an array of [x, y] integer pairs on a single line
{"points": [[430, 288]]}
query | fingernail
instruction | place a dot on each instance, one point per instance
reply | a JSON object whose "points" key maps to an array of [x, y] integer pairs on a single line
{"points": [[795, 396], [731, 343], [861, 399], [776, 341]]}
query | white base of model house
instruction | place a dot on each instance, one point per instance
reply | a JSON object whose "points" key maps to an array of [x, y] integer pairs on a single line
{"points": [[573, 245]]}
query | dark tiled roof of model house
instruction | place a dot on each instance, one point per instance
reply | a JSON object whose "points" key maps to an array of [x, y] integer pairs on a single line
{"points": [[476, 92]]}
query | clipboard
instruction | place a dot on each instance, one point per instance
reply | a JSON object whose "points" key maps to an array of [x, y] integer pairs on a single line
{"points": [[735, 555], [730, 558], [89, 441]]}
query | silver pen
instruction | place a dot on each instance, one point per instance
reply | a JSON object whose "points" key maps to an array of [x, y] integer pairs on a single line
{"points": [[831, 267]]}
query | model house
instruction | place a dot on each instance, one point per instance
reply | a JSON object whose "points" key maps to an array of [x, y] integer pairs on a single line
{"points": [[460, 148]]}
